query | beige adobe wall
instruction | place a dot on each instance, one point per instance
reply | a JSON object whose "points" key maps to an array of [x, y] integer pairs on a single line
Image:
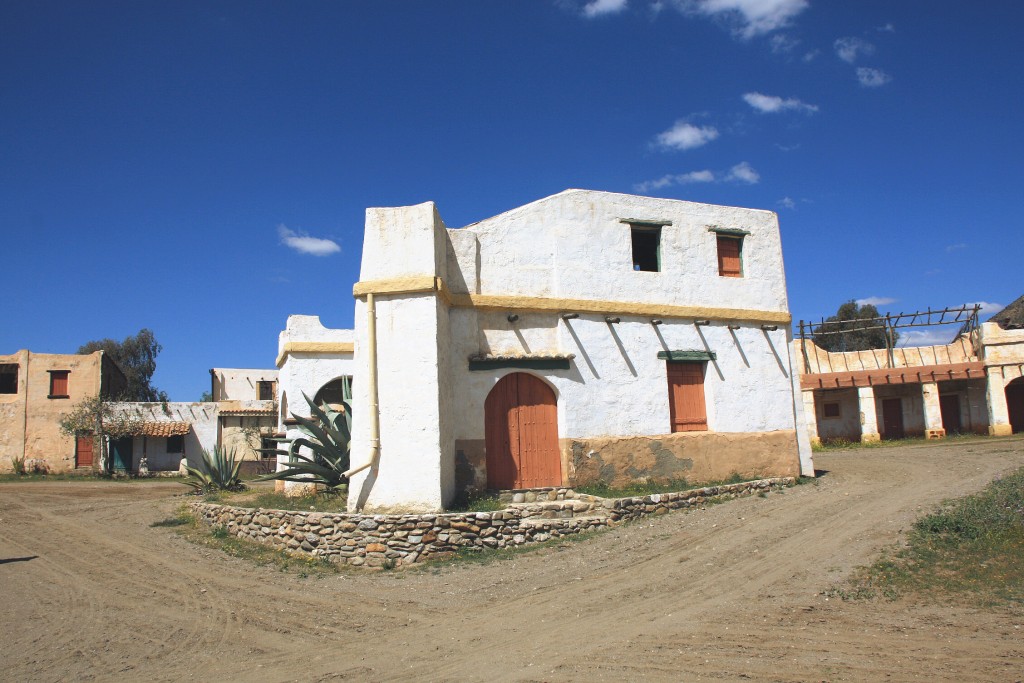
{"points": [[818, 360], [43, 439], [1002, 347], [239, 384], [12, 414], [243, 432]]}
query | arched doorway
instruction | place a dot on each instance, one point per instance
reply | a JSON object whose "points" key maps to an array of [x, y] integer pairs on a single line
{"points": [[521, 434], [333, 393], [1015, 404]]}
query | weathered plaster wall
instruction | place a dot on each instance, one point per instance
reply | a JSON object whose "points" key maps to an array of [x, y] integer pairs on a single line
{"points": [[202, 416], [570, 246], [239, 384], [847, 425], [911, 405], [1002, 346], [575, 245], [812, 360], [30, 418]]}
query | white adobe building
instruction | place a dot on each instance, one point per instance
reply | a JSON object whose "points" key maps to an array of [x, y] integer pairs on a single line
{"points": [[588, 336]]}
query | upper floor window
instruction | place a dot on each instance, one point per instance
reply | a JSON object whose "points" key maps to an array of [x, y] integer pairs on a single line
{"points": [[730, 256], [8, 378], [59, 383], [646, 247], [265, 390]]}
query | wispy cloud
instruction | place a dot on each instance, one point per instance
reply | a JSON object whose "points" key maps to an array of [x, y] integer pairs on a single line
{"points": [[303, 243], [988, 308], [875, 301], [770, 104], [849, 49], [810, 56], [787, 202], [683, 136], [932, 336], [599, 8], [741, 173], [748, 18], [744, 173], [782, 43], [872, 78], [886, 28], [955, 247], [704, 176]]}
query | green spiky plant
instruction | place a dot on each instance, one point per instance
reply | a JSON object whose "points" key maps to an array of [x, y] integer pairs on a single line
{"points": [[217, 471], [328, 435]]}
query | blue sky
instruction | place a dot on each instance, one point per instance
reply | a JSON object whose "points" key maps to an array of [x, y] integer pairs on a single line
{"points": [[202, 169]]}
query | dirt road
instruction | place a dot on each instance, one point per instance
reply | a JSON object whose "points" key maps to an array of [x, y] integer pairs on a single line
{"points": [[91, 592]]}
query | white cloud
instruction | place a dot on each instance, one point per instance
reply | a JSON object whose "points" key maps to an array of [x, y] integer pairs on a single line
{"points": [[685, 135], [317, 246], [782, 43], [597, 8], [955, 247], [743, 172], [787, 202], [988, 308], [886, 28], [770, 103], [750, 17], [931, 336], [849, 49], [875, 301], [704, 176], [872, 78], [811, 56]]}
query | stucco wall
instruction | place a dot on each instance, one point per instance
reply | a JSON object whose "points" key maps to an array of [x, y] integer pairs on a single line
{"points": [[30, 418], [847, 424], [239, 384], [1002, 346], [574, 245], [202, 416], [812, 360]]}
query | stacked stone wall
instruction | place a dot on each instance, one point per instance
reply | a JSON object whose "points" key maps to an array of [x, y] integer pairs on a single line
{"points": [[405, 539]]}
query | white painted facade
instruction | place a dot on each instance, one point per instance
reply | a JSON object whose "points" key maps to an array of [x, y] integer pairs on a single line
{"points": [[203, 418], [236, 384], [445, 295]]}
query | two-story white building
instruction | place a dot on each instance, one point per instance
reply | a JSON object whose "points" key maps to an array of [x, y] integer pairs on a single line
{"points": [[587, 336]]}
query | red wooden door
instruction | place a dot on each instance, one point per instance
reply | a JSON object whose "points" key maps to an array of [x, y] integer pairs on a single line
{"points": [[83, 451], [892, 418], [686, 397], [521, 434], [729, 263]]}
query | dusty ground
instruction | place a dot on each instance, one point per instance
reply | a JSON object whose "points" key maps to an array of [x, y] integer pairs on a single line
{"points": [[90, 591]]}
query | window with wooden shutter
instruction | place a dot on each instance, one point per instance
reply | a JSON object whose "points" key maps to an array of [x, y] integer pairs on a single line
{"points": [[730, 249], [59, 383], [265, 390], [686, 397], [8, 378]]}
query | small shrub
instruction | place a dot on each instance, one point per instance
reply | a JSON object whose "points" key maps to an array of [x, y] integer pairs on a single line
{"points": [[218, 471], [19, 466]]}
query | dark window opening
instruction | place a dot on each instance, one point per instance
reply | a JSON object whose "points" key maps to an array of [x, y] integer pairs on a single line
{"points": [[267, 447], [332, 393], [266, 390], [830, 410], [176, 444], [59, 383], [9, 378], [646, 248]]}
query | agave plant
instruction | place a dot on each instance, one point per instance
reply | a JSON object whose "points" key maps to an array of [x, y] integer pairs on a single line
{"points": [[218, 471], [327, 433]]}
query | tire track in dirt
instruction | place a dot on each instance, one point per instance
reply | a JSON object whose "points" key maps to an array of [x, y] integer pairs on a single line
{"points": [[726, 593]]}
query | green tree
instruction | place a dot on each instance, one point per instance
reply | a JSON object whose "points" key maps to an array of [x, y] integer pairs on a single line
{"points": [[136, 356], [853, 328]]}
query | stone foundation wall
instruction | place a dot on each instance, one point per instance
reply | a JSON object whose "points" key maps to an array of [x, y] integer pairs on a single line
{"points": [[405, 539]]}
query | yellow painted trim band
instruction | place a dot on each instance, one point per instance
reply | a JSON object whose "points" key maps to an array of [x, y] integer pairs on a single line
{"points": [[314, 347], [426, 284]]}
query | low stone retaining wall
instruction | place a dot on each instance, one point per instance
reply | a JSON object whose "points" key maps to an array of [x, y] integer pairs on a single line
{"points": [[404, 539]]}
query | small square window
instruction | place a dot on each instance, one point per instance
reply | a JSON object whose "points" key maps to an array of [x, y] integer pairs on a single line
{"points": [[730, 256], [830, 410], [8, 378], [265, 389], [59, 383], [176, 444], [646, 248]]}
